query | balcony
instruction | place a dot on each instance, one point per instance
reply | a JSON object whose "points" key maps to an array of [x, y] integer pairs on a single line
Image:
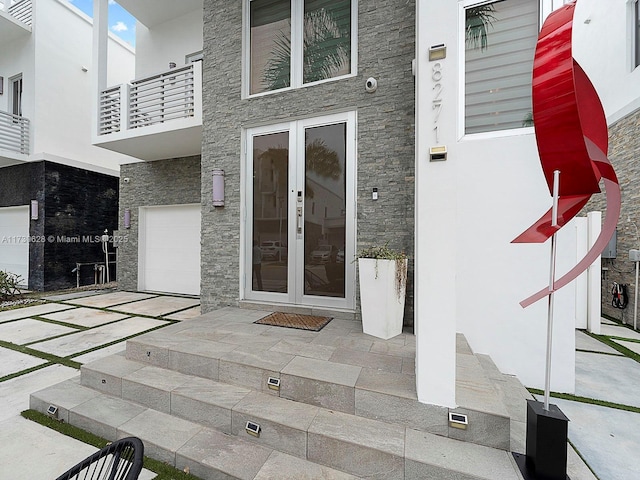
{"points": [[153, 118], [14, 137], [155, 12], [15, 19]]}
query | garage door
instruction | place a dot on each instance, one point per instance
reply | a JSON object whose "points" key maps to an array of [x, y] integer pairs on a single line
{"points": [[14, 245], [169, 249]]}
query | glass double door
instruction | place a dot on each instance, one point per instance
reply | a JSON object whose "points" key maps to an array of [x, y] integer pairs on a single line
{"points": [[299, 231]]}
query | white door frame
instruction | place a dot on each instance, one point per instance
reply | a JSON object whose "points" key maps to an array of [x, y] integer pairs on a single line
{"points": [[296, 266]]}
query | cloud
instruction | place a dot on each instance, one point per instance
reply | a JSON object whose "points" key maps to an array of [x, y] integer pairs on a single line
{"points": [[119, 27]]}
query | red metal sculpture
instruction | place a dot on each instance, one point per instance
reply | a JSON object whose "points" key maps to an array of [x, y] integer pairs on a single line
{"points": [[572, 137]]}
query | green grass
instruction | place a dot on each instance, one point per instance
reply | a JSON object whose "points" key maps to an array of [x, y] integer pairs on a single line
{"points": [[616, 346], [36, 353], [163, 470], [592, 401]]}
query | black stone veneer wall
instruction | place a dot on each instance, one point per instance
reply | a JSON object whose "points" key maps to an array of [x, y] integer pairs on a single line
{"points": [[385, 134], [19, 184], [75, 205], [79, 205]]}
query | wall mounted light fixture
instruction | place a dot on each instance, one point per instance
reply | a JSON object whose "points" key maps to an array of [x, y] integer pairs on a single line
{"points": [[34, 209], [437, 52], [218, 188], [127, 218]]}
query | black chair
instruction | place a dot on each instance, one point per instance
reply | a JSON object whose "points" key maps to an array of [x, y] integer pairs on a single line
{"points": [[120, 460]]}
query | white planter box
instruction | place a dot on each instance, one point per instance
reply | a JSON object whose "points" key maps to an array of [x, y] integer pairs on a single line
{"points": [[381, 304]]}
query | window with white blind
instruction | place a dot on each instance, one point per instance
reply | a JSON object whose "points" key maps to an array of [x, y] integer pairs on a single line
{"points": [[500, 41], [296, 42]]}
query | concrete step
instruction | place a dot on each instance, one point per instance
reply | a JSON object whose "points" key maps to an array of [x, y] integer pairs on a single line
{"points": [[188, 446], [296, 441], [337, 368]]}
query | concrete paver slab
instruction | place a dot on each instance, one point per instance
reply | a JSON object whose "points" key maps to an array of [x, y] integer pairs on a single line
{"points": [[158, 306], [101, 353], [287, 467], [617, 457], [30, 330], [14, 393], [186, 314], [74, 295], [585, 342], [110, 299], [608, 377], [619, 331], [13, 361], [31, 311], [85, 317], [88, 339], [633, 346]]}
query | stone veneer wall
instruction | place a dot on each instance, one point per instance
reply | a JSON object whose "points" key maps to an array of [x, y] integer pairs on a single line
{"points": [[73, 203], [385, 134], [174, 181], [19, 184], [624, 153]]}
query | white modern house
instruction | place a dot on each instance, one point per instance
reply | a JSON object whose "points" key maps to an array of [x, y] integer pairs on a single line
{"points": [[48, 166], [195, 105], [476, 103]]}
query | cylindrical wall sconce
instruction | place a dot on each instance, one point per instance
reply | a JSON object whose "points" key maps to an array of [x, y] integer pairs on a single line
{"points": [[127, 218], [218, 188], [34, 209]]}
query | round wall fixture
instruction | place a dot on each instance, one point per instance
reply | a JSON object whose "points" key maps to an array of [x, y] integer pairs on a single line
{"points": [[371, 85]]}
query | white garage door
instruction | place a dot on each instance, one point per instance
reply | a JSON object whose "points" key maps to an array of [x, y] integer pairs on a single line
{"points": [[169, 249], [14, 245]]}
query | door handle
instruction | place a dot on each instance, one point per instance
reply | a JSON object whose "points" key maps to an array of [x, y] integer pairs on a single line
{"points": [[299, 220]]}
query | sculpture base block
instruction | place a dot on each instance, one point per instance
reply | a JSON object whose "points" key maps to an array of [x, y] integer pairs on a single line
{"points": [[546, 449]]}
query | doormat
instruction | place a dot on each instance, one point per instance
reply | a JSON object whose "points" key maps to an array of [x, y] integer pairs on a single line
{"points": [[294, 320]]}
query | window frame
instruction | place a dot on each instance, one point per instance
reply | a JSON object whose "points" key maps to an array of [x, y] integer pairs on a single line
{"points": [[296, 80], [635, 33], [16, 81], [462, 118]]}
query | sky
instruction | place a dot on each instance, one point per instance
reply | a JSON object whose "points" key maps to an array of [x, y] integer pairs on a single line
{"points": [[121, 23]]}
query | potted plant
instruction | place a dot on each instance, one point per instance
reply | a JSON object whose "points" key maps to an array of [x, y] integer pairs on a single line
{"points": [[383, 282]]}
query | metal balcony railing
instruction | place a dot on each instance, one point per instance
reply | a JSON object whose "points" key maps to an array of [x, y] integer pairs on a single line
{"points": [[161, 98], [152, 100], [14, 133], [20, 10], [110, 120]]}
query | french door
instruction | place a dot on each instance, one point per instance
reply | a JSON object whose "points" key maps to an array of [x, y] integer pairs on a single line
{"points": [[299, 232]]}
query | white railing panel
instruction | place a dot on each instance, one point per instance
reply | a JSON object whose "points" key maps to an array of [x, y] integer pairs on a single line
{"points": [[109, 120], [14, 133], [163, 97], [22, 11]]}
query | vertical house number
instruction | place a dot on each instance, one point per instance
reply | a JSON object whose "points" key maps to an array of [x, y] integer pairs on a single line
{"points": [[436, 103]]}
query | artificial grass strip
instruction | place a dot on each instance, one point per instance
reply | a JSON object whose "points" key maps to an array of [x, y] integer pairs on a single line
{"points": [[591, 401], [37, 353], [163, 470], [25, 371], [616, 346]]}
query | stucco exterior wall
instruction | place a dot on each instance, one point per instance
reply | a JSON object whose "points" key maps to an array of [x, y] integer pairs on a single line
{"points": [[385, 123]]}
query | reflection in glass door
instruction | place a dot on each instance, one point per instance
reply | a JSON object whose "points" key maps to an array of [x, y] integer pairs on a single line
{"points": [[269, 254], [298, 236], [325, 209]]}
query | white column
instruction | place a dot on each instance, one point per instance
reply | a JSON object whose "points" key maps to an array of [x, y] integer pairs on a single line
{"points": [[100, 51], [594, 277], [435, 236], [581, 284]]}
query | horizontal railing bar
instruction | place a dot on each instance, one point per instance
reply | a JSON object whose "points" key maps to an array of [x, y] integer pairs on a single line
{"points": [[167, 73], [147, 121], [158, 111], [163, 81], [163, 88]]}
